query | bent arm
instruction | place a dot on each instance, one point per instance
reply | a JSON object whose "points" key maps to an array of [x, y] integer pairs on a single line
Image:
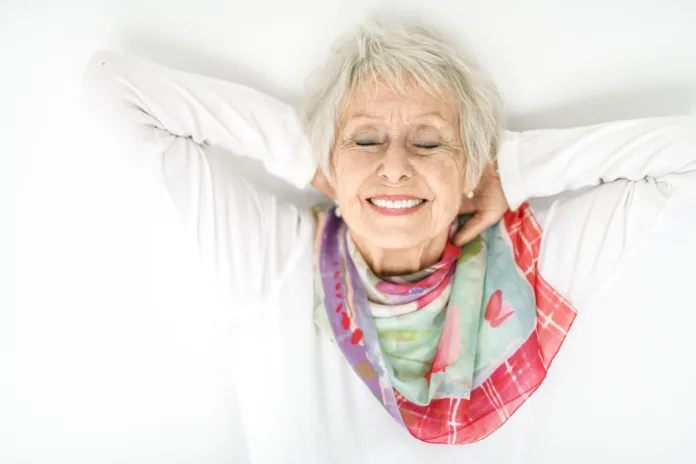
{"points": [[544, 163], [169, 120], [140, 98]]}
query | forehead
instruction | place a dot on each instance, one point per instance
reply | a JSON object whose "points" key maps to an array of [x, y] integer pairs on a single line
{"points": [[375, 99]]}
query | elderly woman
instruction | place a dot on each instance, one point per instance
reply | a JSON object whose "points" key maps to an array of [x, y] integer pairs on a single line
{"points": [[431, 299]]}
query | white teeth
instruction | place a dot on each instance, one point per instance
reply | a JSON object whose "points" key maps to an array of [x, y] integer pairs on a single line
{"points": [[396, 204]]}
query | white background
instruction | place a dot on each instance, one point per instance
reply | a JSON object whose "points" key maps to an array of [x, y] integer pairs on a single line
{"points": [[111, 346]]}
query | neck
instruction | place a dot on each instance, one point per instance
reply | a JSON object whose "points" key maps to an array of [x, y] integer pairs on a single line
{"points": [[386, 262]]}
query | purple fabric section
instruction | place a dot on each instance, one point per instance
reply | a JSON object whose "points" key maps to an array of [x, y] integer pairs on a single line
{"points": [[330, 263], [370, 337]]}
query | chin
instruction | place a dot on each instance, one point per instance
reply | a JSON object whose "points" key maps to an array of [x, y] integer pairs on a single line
{"points": [[390, 232], [395, 238]]}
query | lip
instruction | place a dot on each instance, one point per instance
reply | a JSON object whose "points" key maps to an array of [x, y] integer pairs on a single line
{"points": [[395, 212]]}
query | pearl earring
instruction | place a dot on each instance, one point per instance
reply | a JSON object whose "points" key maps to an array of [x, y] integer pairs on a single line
{"points": [[337, 211], [470, 195]]}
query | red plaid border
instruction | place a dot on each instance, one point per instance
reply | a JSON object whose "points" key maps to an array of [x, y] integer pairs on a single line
{"points": [[461, 421]]}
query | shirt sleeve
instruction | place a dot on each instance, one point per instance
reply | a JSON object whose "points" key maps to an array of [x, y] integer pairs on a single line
{"points": [[181, 125], [544, 163], [613, 185]]}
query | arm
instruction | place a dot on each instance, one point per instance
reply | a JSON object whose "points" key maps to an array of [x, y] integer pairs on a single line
{"points": [[638, 167], [544, 163], [169, 120]]}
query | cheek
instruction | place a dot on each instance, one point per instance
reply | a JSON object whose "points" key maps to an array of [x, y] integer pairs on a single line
{"points": [[447, 183], [349, 174]]}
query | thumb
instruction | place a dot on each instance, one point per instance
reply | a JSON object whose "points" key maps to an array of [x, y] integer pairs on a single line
{"points": [[472, 229], [467, 206]]}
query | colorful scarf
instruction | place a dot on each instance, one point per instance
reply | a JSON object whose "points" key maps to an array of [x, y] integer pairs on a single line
{"points": [[451, 351]]}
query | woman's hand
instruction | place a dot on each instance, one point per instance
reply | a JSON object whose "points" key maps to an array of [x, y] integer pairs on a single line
{"points": [[488, 205], [321, 183]]}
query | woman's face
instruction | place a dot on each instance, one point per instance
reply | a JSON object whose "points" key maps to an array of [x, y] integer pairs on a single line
{"points": [[390, 148]]}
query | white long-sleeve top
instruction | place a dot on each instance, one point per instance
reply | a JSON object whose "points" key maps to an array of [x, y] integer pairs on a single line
{"points": [[611, 192]]}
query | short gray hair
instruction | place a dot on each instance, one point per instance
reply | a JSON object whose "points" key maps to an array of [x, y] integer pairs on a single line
{"points": [[392, 51]]}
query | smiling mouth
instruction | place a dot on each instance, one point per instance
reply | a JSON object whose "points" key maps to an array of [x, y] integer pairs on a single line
{"points": [[396, 207], [397, 204]]}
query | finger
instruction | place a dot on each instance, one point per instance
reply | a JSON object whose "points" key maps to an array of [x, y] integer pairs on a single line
{"points": [[468, 206], [326, 190], [473, 228], [330, 192], [321, 183]]}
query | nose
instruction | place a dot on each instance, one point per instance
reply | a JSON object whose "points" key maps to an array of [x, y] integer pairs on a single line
{"points": [[395, 166]]}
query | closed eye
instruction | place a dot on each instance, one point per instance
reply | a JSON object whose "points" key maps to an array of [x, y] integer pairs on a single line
{"points": [[428, 146], [365, 143]]}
